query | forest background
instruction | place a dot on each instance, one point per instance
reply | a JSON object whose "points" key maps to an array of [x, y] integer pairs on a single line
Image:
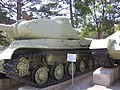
{"points": [[91, 18]]}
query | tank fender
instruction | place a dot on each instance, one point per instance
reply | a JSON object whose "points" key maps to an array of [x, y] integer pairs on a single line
{"points": [[7, 54]]}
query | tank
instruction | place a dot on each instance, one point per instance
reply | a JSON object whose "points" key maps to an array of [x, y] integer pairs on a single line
{"points": [[39, 54], [106, 51]]}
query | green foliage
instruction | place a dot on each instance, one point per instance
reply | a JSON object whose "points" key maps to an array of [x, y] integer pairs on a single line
{"points": [[102, 14], [82, 8], [46, 10], [3, 18], [36, 7], [87, 31]]}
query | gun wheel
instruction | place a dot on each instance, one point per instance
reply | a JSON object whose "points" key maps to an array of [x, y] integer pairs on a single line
{"points": [[22, 67], [82, 66], [58, 71], [41, 75]]}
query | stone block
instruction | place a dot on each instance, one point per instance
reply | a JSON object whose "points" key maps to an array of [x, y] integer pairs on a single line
{"points": [[105, 76], [119, 72], [116, 73]]}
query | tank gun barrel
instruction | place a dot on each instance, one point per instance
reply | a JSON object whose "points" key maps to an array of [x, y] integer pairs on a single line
{"points": [[9, 29], [5, 28]]}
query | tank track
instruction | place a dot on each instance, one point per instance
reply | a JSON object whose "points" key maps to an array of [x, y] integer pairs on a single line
{"points": [[102, 58], [11, 65]]}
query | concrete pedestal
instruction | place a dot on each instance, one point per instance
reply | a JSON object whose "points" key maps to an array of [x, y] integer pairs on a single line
{"points": [[106, 76]]}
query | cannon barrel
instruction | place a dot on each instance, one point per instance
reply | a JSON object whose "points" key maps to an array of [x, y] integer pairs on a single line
{"points": [[5, 28], [56, 28], [9, 29]]}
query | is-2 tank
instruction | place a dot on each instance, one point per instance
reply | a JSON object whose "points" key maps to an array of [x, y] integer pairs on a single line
{"points": [[38, 55], [106, 52]]}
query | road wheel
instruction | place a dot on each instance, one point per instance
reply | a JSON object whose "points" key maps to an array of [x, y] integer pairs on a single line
{"points": [[82, 66]]}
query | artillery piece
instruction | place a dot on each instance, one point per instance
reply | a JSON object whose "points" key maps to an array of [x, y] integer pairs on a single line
{"points": [[38, 55]]}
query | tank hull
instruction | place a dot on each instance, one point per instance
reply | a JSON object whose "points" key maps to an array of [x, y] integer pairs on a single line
{"points": [[43, 62], [42, 43]]}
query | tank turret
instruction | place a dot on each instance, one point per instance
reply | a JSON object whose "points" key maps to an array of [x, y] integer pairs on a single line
{"points": [[41, 29]]}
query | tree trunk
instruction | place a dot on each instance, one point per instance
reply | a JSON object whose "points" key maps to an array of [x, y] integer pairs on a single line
{"points": [[71, 14], [18, 9]]}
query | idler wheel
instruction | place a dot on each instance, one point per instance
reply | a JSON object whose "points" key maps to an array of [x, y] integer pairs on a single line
{"points": [[41, 75], [90, 64], [58, 71], [22, 67], [82, 66], [68, 68]]}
